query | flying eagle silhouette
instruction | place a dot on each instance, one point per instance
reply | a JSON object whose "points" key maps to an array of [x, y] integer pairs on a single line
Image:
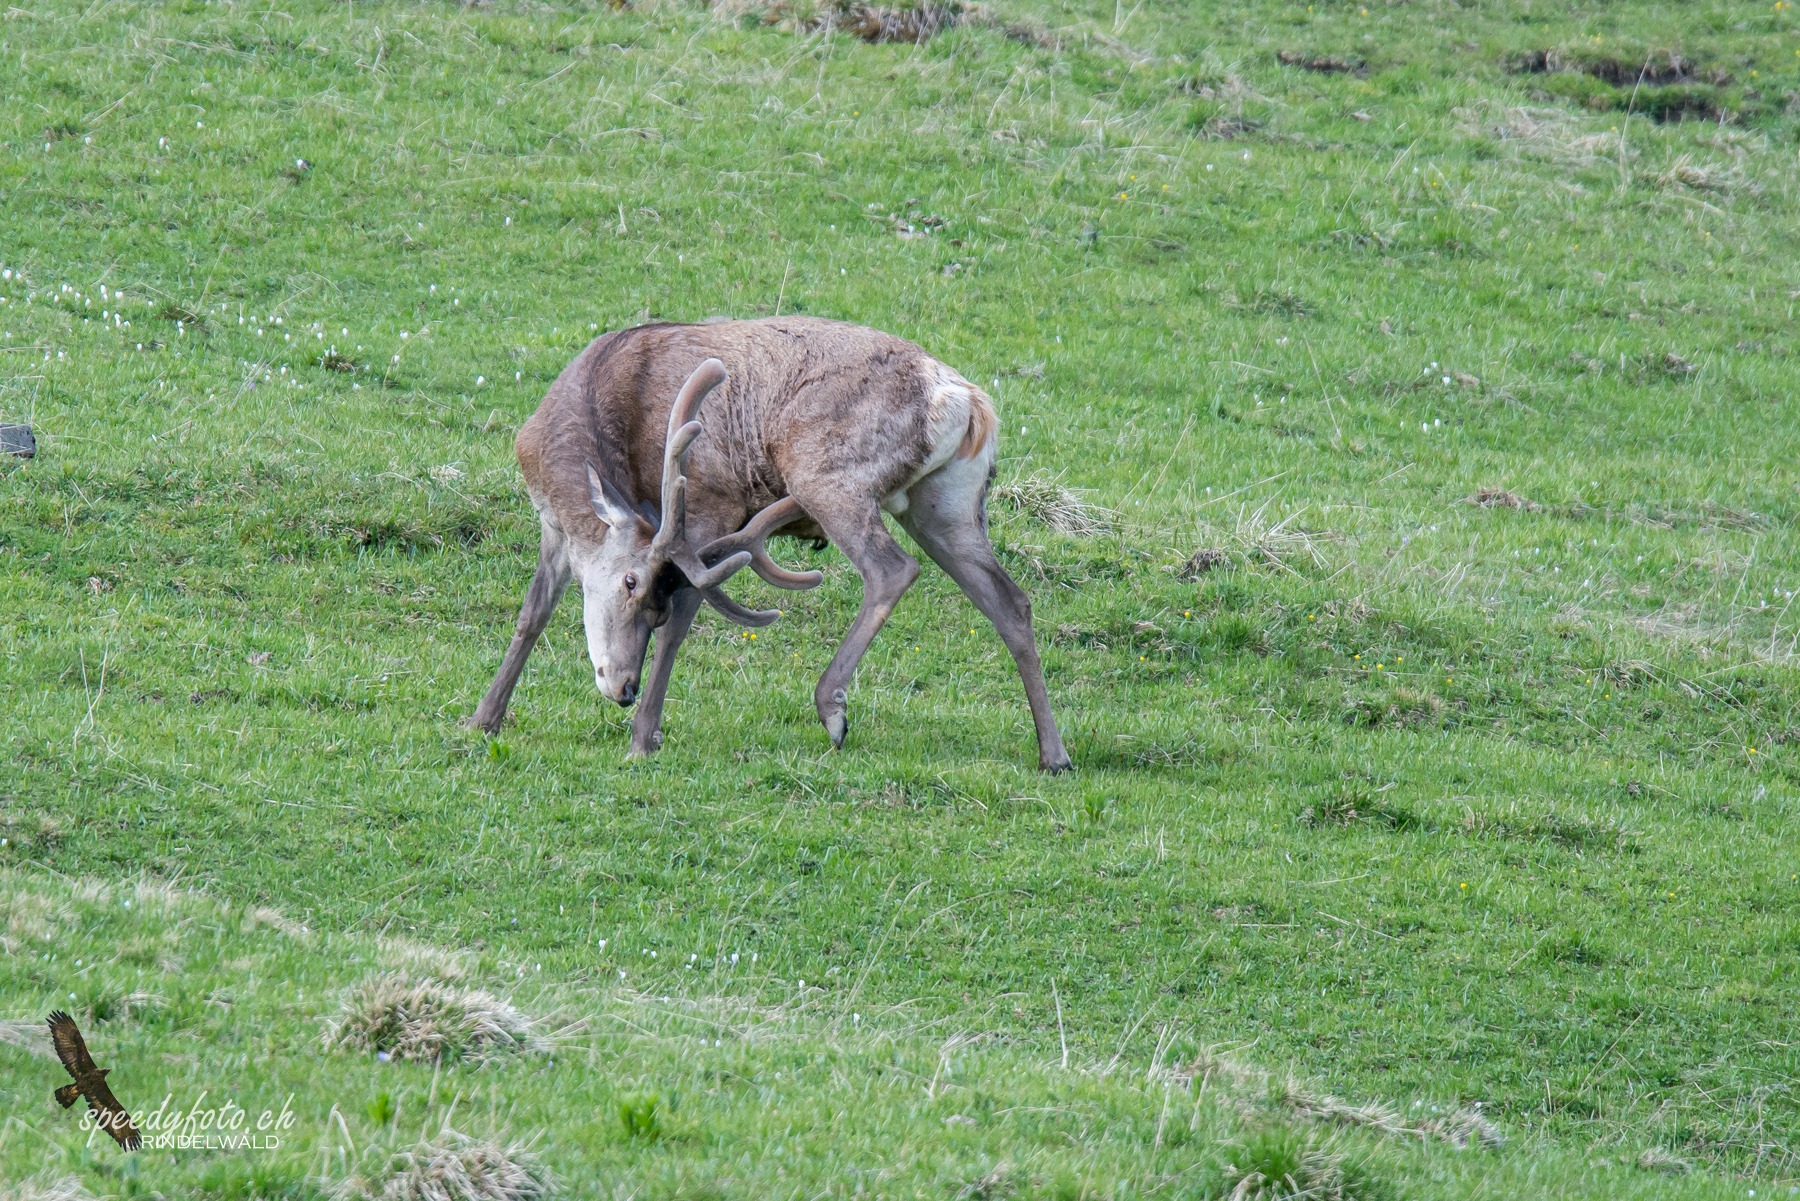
{"points": [[90, 1082]]}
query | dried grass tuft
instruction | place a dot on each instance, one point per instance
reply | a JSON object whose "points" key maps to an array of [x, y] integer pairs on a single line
{"points": [[428, 1021], [1683, 171], [423, 959], [1464, 1129], [1657, 1159], [1255, 539], [28, 1034], [46, 1188], [990, 1186], [1291, 1096], [1043, 498], [262, 915], [1500, 498], [453, 1167], [1552, 134]]}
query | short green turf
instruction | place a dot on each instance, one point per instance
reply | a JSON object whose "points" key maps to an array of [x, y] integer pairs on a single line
{"points": [[1428, 800]]}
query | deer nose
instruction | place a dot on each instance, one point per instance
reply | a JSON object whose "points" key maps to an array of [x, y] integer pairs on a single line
{"points": [[627, 693]]}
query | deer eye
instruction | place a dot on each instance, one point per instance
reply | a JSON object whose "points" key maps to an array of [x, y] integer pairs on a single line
{"points": [[631, 581]]}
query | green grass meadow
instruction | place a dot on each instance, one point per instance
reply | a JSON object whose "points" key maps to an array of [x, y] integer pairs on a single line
{"points": [[1431, 688]]}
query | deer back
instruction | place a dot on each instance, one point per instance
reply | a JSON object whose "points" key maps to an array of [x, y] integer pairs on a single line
{"points": [[809, 401]]}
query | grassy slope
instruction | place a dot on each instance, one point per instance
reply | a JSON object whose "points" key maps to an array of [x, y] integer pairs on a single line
{"points": [[761, 1091], [1575, 902]]}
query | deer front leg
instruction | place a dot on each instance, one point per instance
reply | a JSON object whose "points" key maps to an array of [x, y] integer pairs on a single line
{"points": [[547, 587], [887, 572], [646, 723]]}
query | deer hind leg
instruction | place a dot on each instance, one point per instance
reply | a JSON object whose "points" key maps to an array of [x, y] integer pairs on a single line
{"points": [[646, 723], [856, 529], [547, 587], [945, 517]]}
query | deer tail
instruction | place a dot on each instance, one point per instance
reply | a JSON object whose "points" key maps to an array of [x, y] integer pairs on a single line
{"points": [[982, 424]]}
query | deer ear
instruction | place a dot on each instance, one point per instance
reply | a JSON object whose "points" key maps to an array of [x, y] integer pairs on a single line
{"points": [[609, 506]]}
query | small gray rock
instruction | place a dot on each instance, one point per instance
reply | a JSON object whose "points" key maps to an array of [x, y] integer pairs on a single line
{"points": [[17, 440]]}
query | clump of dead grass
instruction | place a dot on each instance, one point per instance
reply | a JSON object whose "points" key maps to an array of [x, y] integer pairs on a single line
{"points": [[1683, 171], [28, 1034], [1254, 538], [262, 915], [1500, 498], [1555, 134], [429, 1021], [1657, 1159], [453, 1167], [1257, 1090], [991, 1185], [424, 959], [1046, 500], [46, 1188]]}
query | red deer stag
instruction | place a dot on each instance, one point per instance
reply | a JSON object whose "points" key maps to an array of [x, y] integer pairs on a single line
{"points": [[813, 428]]}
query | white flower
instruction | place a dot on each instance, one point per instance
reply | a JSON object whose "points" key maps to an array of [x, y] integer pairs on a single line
{"points": [[480, 380]]}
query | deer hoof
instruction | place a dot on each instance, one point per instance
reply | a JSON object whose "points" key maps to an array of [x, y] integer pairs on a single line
{"points": [[1056, 768], [837, 722], [643, 748]]}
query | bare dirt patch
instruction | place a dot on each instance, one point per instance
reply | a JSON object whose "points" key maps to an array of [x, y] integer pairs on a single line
{"points": [[1657, 68], [1321, 64], [1664, 85]]}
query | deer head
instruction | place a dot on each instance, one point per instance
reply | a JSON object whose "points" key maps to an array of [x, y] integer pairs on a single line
{"points": [[630, 577]]}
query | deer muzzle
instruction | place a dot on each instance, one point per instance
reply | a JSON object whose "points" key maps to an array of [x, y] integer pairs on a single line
{"points": [[621, 689]]}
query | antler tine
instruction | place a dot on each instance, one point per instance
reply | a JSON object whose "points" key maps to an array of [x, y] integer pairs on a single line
{"points": [[753, 539], [683, 429], [743, 615], [746, 548]]}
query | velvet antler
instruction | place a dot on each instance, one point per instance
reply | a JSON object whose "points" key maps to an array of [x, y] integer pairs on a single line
{"points": [[710, 566]]}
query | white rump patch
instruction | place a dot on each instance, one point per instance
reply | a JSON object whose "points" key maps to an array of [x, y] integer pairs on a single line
{"points": [[947, 416]]}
